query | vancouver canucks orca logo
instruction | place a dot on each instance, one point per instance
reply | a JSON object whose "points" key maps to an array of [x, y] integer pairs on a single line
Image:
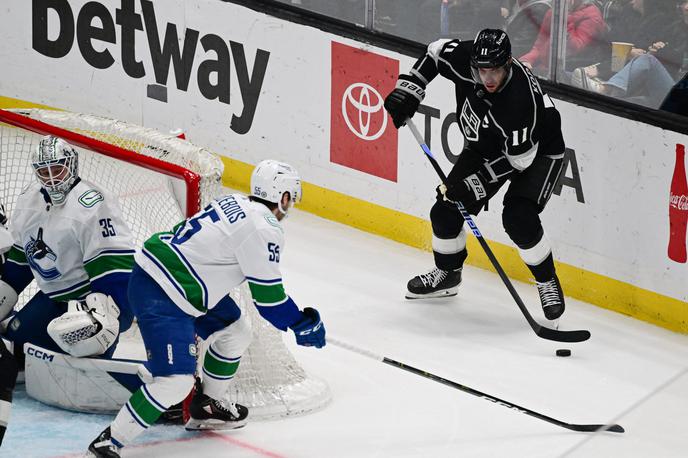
{"points": [[41, 258]]}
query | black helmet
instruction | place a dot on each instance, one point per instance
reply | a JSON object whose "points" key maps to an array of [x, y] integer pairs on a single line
{"points": [[491, 48]]}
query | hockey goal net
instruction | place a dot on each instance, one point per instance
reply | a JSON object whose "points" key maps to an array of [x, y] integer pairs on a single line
{"points": [[159, 179]]}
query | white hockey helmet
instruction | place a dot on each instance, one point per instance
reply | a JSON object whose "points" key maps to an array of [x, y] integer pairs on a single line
{"points": [[56, 164], [271, 179]]}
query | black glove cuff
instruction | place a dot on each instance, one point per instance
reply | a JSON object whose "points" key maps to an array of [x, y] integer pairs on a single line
{"points": [[411, 85]]}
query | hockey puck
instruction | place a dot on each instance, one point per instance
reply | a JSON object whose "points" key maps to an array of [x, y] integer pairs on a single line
{"points": [[563, 352]]}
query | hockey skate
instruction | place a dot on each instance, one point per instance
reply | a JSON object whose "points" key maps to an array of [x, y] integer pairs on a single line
{"points": [[552, 299], [436, 283], [103, 446], [209, 413]]}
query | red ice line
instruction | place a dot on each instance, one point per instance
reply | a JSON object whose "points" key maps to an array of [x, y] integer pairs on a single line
{"points": [[204, 435]]}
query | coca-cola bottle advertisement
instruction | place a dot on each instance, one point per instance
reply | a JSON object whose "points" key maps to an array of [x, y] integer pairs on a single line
{"points": [[678, 208]]}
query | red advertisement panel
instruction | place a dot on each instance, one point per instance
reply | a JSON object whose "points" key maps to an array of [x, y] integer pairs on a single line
{"points": [[362, 136]]}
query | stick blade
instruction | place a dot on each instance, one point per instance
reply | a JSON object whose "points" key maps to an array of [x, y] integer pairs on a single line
{"points": [[594, 428], [562, 336]]}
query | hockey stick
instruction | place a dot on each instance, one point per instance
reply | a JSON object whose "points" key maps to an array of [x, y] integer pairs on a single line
{"points": [[541, 331], [466, 389]]}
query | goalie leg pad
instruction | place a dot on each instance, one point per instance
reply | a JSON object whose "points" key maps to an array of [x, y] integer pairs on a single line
{"points": [[147, 404], [221, 360]]}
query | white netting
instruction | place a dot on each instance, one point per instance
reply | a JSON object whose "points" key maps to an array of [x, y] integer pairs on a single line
{"points": [[270, 381]]}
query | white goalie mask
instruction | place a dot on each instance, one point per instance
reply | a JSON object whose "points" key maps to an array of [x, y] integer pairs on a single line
{"points": [[271, 179], [56, 164]]}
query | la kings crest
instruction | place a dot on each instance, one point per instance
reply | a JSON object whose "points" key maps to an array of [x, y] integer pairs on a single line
{"points": [[470, 122]]}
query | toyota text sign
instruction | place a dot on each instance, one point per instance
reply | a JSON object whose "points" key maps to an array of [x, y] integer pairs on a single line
{"points": [[362, 136]]}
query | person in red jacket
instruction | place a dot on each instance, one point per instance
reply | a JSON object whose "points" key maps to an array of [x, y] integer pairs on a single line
{"points": [[586, 38]]}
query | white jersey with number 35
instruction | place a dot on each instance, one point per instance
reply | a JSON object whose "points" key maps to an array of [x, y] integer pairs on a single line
{"points": [[233, 239], [70, 245]]}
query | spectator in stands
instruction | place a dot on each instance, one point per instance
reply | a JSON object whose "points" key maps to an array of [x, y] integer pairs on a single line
{"points": [[677, 99], [398, 17], [586, 37], [654, 60], [524, 22], [460, 19], [353, 11], [675, 54]]}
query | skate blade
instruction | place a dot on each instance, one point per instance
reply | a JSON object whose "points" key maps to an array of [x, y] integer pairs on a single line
{"points": [[449, 292], [214, 425]]}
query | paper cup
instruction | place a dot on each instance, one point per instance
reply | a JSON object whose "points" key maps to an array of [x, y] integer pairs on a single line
{"points": [[620, 51]]}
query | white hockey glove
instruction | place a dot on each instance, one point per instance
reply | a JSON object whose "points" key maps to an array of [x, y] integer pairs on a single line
{"points": [[88, 328], [8, 299]]}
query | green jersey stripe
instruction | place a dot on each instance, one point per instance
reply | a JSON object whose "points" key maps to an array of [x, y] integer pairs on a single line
{"points": [[267, 294], [106, 263], [75, 294], [17, 255], [175, 269], [147, 412]]}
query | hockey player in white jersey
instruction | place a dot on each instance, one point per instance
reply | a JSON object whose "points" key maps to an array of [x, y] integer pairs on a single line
{"points": [[179, 287], [8, 365], [70, 237]]}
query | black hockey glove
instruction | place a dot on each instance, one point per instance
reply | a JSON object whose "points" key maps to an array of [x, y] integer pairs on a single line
{"points": [[403, 101], [470, 190], [3, 215], [310, 330]]}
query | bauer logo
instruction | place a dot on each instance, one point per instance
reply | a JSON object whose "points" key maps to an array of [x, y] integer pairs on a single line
{"points": [[149, 44], [362, 136]]}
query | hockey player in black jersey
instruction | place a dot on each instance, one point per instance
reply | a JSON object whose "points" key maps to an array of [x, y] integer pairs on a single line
{"points": [[512, 133]]}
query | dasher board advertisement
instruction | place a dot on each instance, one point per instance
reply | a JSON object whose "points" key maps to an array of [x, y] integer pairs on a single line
{"points": [[250, 86]]}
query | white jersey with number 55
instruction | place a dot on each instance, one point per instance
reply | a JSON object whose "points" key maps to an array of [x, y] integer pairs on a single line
{"points": [[233, 239]]}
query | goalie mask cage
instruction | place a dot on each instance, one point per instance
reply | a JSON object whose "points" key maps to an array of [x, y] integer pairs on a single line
{"points": [[159, 179]]}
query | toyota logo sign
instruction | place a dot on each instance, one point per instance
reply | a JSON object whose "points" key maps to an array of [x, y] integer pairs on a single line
{"points": [[361, 137], [367, 102]]}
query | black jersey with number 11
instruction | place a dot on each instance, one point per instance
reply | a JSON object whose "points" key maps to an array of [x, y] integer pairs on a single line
{"points": [[517, 123]]}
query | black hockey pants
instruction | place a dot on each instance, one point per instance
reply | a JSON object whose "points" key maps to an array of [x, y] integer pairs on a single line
{"points": [[524, 200]]}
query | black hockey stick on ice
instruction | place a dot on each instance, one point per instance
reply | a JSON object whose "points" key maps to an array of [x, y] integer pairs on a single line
{"points": [[466, 389], [541, 331]]}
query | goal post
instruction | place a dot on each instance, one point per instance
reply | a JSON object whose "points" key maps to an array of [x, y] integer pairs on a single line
{"points": [[159, 180]]}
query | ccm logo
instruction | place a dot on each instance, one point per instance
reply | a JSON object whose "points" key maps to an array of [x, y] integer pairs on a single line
{"points": [[36, 353], [310, 331]]}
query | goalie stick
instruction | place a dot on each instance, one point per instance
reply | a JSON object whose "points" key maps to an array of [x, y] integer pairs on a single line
{"points": [[542, 331], [586, 428]]}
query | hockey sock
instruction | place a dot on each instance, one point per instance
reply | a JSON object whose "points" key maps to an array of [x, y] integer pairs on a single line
{"points": [[223, 355], [450, 253], [147, 404], [545, 270], [538, 258], [218, 370]]}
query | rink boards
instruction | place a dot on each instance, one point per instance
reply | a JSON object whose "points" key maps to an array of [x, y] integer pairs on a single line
{"points": [[266, 87]]}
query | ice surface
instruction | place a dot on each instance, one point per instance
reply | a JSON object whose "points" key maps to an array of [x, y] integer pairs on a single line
{"points": [[478, 339]]}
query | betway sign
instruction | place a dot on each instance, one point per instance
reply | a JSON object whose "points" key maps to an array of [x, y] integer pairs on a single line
{"points": [[54, 31]]}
